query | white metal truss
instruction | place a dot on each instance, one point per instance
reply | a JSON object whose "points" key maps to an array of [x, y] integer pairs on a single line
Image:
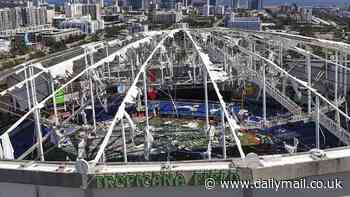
{"points": [[270, 73]]}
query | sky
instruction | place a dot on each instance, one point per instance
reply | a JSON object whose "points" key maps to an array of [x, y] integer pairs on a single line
{"points": [[272, 2]]}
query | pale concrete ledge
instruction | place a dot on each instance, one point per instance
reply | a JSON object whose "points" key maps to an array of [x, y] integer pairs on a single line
{"points": [[64, 174]]}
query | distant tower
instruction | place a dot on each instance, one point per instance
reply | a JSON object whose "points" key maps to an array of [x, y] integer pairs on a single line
{"points": [[208, 8], [235, 4], [185, 3], [260, 5], [37, 3], [29, 4], [255, 4]]}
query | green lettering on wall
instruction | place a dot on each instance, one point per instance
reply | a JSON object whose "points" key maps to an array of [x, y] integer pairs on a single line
{"points": [[156, 179], [147, 180], [180, 180], [168, 179]]}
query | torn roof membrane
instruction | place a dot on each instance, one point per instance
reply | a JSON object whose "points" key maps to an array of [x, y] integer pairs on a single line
{"points": [[133, 93]]}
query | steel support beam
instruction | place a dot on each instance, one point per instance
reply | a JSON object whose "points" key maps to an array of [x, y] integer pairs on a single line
{"points": [[302, 83], [92, 92], [52, 83], [39, 137], [317, 122], [121, 108], [308, 72], [147, 134], [125, 154], [337, 115], [27, 89], [264, 92], [206, 103], [223, 134], [231, 122]]}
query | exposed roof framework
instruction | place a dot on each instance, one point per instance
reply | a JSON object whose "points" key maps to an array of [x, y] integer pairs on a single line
{"points": [[259, 57]]}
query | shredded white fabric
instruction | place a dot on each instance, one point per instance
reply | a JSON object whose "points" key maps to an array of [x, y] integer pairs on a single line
{"points": [[61, 69], [8, 152], [132, 95], [121, 110]]}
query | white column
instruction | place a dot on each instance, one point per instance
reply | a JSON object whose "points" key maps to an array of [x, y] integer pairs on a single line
{"points": [[54, 100], [281, 54], [207, 127], [27, 88], [337, 115], [345, 74], [208, 8], [205, 83], [92, 102], [326, 64], [125, 154], [308, 64], [223, 134], [317, 122], [147, 135], [108, 66], [36, 116], [92, 93], [264, 93]]}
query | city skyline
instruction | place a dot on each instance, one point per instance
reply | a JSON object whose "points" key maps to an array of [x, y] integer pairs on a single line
{"points": [[266, 2]]}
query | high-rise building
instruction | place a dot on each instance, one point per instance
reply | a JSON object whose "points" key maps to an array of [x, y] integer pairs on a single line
{"points": [[16, 17], [36, 16], [12, 18], [101, 3], [135, 4], [246, 23], [5, 19], [38, 3], [168, 4], [255, 4], [13, 3], [74, 10], [208, 12], [122, 3], [235, 4], [165, 17], [50, 16], [85, 24], [94, 10]]}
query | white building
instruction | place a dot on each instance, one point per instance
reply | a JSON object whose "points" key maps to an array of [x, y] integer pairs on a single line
{"points": [[59, 34], [74, 10], [220, 10], [85, 24], [4, 45], [246, 23], [169, 17], [137, 27], [50, 16]]}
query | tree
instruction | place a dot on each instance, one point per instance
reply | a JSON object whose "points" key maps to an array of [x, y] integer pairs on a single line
{"points": [[18, 47], [37, 54], [307, 31], [95, 37], [55, 45]]}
